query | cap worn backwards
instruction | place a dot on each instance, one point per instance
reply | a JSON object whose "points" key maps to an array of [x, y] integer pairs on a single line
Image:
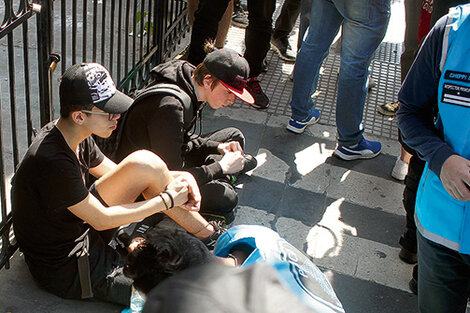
{"points": [[91, 84], [232, 70]]}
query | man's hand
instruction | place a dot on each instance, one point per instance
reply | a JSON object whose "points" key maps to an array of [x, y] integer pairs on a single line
{"points": [[194, 195], [455, 176], [232, 146], [232, 162]]}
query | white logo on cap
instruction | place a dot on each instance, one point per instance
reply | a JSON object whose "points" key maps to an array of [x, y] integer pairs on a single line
{"points": [[100, 83]]}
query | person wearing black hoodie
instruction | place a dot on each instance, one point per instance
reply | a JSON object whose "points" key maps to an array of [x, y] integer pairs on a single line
{"points": [[161, 123]]}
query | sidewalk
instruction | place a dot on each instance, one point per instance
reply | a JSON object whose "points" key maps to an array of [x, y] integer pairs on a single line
{"points": [[347, 216]]}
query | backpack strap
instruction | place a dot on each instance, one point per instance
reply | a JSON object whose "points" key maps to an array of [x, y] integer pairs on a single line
{"points": [[173, 90]]}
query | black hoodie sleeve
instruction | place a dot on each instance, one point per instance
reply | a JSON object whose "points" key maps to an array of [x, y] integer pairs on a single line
{"points": [[166, 138]]}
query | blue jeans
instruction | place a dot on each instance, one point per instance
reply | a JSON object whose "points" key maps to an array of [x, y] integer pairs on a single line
{"points": [[443, 278], [364, 25]]}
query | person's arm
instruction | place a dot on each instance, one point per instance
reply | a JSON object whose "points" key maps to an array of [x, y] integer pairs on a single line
{"points": [[100, 217], [418, 102], [166, 136], [105, 166]]}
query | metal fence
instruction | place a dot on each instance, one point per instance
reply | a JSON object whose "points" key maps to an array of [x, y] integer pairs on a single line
{"points": [[129, 37]]}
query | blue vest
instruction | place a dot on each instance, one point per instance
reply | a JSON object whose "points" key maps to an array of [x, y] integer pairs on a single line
{"points": [[295, 269], [439, 217]]}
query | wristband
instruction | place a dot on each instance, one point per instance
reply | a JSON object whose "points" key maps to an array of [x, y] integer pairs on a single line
{"points": [[163, 200], [171, 199]]}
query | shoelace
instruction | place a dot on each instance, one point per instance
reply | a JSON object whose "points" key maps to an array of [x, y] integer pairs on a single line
{"points": [[255, 87]]}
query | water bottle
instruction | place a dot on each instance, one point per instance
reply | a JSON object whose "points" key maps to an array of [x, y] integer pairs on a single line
{"points": [[137, 303]]}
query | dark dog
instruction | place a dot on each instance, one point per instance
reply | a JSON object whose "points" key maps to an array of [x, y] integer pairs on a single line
{"points": [[161, 254]]}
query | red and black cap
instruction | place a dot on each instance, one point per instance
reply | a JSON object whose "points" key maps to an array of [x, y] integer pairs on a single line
{"points": [[232, 70], [91, 84]]}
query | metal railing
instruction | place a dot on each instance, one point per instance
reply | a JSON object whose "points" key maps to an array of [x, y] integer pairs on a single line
{"points": [[129, 37]]}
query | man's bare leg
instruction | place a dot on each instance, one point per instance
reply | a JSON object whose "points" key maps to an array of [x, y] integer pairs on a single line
{"points": [[143, 172]]}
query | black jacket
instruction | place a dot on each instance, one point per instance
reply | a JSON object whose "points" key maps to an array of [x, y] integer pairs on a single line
{"points": [[156, 123]]}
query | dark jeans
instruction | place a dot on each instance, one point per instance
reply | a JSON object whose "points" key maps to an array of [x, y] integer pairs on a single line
{"points": [[257, 36], [443, 278], [218, 196]]}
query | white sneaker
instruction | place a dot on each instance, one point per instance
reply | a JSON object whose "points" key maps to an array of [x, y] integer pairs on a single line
{"points": [[400, 169]]}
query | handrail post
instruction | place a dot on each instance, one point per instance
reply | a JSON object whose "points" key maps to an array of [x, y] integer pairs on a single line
{"points": [[45, 39]]}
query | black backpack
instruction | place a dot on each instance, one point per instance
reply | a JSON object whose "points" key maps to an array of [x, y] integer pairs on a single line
{"points": [[110, 145]]}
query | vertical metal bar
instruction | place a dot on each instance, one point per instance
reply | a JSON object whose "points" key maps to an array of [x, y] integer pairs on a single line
{"points": [[149, 27], [111, 39], [103, 31], [74, 31], [142, 28], [2, 179], [11, 69], [95, 17], [160, 17], [45, 39], [85, 14], [126, 45], [63, 31], [29, 125], [118, 56], [134, 24], [134, 32]]}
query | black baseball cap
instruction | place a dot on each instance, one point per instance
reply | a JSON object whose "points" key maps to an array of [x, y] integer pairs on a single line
{"points": [[232, 70], [91, 84]]}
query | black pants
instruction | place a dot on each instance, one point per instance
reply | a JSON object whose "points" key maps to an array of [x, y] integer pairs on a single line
{"points": [[415, 170], [444, 278], [257, 36], [219, 197], [290, 11]]}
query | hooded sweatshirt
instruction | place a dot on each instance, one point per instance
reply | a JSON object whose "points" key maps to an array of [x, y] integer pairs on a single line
{"points": [[156, 123]]}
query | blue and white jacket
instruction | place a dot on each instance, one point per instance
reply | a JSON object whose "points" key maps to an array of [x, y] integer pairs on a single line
{"points": [[294, 268], [440, 77]]}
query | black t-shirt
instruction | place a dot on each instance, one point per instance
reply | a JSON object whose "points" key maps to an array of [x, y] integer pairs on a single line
{"points": [[50, 179]]}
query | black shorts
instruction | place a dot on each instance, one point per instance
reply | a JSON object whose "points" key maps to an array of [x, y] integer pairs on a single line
{"points": [[114, 286]]}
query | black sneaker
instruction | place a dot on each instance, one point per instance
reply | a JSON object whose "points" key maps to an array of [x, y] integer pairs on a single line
{"points": [[221, 219], [210, 241], [413, 284], [239, 17], [261, 100], [408, 256], [250, 163], [283, 49]]}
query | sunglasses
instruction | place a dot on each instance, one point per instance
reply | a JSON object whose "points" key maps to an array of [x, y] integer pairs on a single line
{"points": [[111, 116]]}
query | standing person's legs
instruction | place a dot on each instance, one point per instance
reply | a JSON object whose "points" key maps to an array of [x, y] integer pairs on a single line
{"points": [[285, 22], [444, 278], [258, 33], [412, 13], [364, 27], [305, 11], [324, 25], [224, 23], [408, 239], [206, 21], [143, 172]]}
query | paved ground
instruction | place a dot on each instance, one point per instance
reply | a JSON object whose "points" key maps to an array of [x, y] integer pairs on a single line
{"points": [[347, 216]]}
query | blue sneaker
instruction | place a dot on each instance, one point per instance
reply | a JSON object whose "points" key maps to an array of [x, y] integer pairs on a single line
{"points": [[365, 149], [298, 127]]}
